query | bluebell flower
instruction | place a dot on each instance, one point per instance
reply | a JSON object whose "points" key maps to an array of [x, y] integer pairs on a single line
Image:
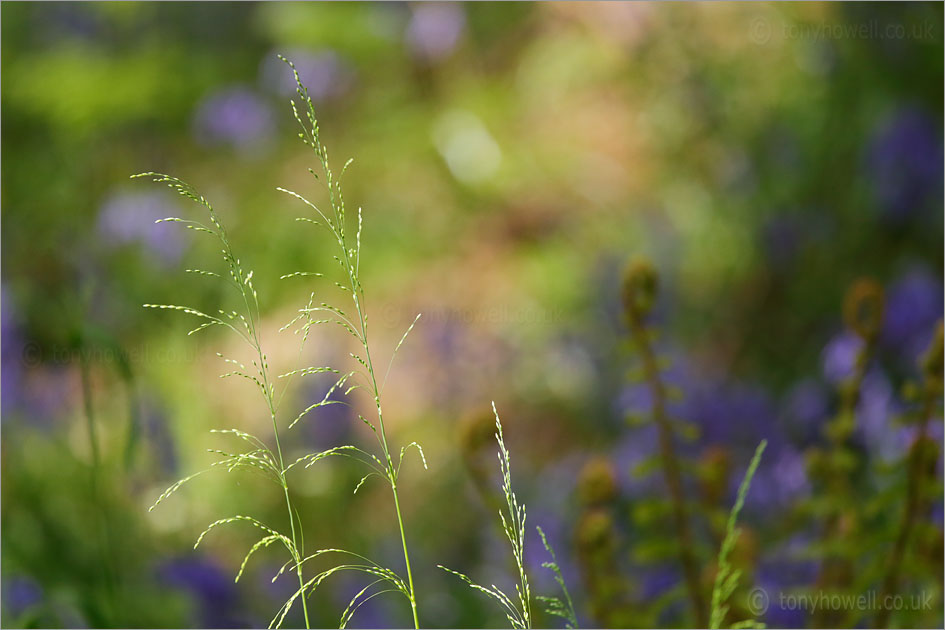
{"points": [[840, 355], [373, 613], [738, 416], [329, 425], [211, 588], [234, 116], [549, 501], [324, 72], [37, 390], [783, 572], [11, 355], [434, 29], [781, 479], [69, 19], [805, 409], [732, 414], [656, 580], [905, 162], [876, 408], [635, 400], [633, 448], [913, 306], [20, 593], [128, 217]]}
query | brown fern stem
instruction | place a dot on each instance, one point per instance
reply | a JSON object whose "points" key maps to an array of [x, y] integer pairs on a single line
{"points": [[931, 390], [670, 463], [910, 512]]}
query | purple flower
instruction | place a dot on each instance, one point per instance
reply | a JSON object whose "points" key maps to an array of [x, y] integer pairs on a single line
{"points": [[11, 355], [656, 580], [328, 425], [38, 391], [128, 217], [636, 399], [78, 21], [840, 355], [876, 408], [805, 409], [780, 574], [212, 589], [633, 449], [780, 480], [278, 590], [20, 593], [435, 29], [913, 305], [325, 73], [372, 613], [234, 116], [905, 162], [731, 414]]}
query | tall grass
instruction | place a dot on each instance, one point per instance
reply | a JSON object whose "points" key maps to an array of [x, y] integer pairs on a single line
{"points": [[726, 577], [257, 455], [518, 611], [265, 454]]}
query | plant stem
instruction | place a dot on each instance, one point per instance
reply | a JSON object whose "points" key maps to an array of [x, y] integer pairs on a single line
{"points": [[101, 510], [403, 540], [671, 472], [391, 472], [357, 295], [835, 569], [264, 372], [909, 512]]}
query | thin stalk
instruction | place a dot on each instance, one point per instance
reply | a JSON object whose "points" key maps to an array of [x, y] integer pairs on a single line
{"points": [[639, 291], [310, 137], [671, 472], [264, 372], [101, 513], [909, 513], [862, 313], [391, 472], [932, 389]]}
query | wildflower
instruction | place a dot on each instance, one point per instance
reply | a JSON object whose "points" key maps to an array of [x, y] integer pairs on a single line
{"points": [[434, 30], [234, 116]]}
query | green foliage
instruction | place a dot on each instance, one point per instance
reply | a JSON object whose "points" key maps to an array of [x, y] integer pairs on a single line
{"points": [[258, 457], [726, 577], [518, 613], [554, 605]]}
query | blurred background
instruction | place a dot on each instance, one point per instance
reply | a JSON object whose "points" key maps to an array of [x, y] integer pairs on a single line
{"points": [[510, 160]]}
